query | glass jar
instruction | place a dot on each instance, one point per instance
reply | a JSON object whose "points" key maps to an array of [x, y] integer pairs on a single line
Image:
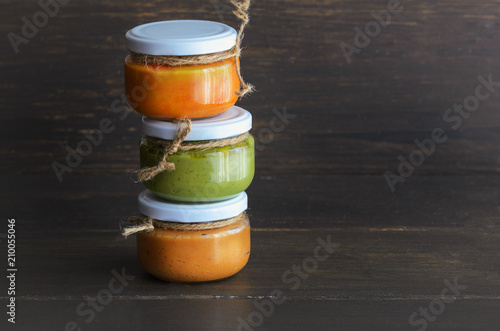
{"points": [[201, 175], [194, 255], [163, 91]]}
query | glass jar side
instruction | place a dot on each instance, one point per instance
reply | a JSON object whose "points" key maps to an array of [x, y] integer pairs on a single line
{"points": [[200, 175], [195, 256], [190, 91]]}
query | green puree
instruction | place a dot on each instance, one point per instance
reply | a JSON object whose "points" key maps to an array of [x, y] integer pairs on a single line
{"points": [[201, 175]]}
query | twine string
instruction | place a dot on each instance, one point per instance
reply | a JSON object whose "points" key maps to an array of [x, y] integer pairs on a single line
{"points": [[148, 173], [184, 127], [241, 12], [143, 223]]}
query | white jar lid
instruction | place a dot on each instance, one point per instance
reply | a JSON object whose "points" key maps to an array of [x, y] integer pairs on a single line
{"points": [[233, 122], [154, 207], [182, 37]]}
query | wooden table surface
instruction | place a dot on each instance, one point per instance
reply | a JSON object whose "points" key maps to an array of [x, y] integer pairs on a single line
{"points": [[424, 257]]}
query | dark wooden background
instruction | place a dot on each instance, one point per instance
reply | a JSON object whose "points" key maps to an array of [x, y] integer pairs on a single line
{"points": [[322, 175]]}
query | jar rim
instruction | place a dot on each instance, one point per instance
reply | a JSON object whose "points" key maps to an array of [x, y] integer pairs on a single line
{"points": [[233, 122], [181, 38], [161, 210]]}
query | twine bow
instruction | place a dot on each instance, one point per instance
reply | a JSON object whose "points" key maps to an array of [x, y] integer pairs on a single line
{"points": [[182, 132]]}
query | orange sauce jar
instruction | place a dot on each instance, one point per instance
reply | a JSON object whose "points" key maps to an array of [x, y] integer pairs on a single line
{"points": [[162, 91], [194, 242]]}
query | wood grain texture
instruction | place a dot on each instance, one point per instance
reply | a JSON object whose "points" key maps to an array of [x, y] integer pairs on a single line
{"points": [[322, 175], [389, 315], [351, 118], [288, 202], [395, 253], [386, 274]]}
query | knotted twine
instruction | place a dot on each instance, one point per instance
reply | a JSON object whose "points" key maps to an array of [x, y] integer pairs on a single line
{"points": [[145, 223], [183, 130], [240, 12]]}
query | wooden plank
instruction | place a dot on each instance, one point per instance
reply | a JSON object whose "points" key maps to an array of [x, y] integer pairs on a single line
{"points": [[377, 264], [386, 274], [285, 201], [351, 118], [223, 314]]}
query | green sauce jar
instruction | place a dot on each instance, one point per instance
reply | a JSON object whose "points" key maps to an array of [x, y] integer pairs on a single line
{"points": [[201, 174]]}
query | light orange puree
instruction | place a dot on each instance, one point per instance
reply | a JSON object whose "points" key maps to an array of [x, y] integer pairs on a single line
{"points": [[192, 91], [195, 256]]}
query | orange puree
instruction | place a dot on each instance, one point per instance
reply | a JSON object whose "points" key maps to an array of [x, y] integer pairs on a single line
{"points": [[192, 91], [195, 256]]}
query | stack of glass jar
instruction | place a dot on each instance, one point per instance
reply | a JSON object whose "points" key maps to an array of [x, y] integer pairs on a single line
{"points": [[201, 231]]}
